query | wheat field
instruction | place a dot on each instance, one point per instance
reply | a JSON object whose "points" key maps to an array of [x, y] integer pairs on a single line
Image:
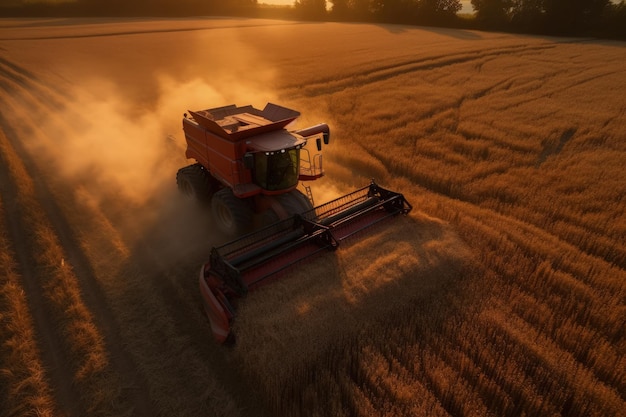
{"points": [[503, 293]]}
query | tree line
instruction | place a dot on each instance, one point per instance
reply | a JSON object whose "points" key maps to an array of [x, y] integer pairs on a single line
{"points": [[561, 17], [601, 18], [605, 18]]}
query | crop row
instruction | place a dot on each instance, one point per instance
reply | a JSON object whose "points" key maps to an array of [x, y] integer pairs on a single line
{"points": [[53, 278], [25, 385]]}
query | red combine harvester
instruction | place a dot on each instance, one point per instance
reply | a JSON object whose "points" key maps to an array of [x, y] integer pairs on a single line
{"points": [[249, 167]]}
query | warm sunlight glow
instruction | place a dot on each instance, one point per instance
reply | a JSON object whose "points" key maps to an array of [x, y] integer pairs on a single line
{"points": [[501, 293]]}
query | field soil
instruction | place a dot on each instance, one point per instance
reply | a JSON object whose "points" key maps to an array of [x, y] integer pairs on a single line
{"points": [[503, 293]]}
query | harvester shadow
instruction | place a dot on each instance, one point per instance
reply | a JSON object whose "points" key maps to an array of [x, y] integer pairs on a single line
{"points": [[340, 295]]}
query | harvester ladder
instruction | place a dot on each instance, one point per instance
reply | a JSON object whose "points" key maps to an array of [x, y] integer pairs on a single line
{"points": [[309, 194]]}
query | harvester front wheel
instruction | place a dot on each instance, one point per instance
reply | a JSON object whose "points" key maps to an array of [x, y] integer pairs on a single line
{"points": [[232, 215], [195, 182], [294, 202]]}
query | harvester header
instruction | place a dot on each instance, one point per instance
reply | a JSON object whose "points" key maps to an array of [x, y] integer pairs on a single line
{"points": [[246, 263]]}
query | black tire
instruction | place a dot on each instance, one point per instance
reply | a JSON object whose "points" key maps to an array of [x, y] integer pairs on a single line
{"points": [[294, 202], [266, 218], [195, 182], [232, 215]]}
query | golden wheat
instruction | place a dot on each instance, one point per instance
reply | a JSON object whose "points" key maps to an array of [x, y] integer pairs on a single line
{"points": [[511, 304], [25, 386]]}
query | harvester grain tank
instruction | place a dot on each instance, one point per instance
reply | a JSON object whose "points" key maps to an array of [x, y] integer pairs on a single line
{"points": [[249, 167]]}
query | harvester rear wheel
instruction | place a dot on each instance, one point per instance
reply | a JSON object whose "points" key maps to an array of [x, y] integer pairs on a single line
{"points": [[195, 182], [232, 215]]}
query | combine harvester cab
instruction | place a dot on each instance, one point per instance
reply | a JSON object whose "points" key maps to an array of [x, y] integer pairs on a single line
{"points": [[255, 259], [248, 165]]}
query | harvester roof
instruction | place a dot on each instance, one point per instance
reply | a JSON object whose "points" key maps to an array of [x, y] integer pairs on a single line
{"points": [[235, 123], [275, 141]]}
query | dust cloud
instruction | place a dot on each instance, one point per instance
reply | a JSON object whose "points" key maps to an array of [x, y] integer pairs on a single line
{"points": [[116, 140], [131, 153]]}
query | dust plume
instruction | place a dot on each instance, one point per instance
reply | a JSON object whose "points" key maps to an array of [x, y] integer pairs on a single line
{"points": [[126, 154], [115, 141], [131, 153], [118, 128]]}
